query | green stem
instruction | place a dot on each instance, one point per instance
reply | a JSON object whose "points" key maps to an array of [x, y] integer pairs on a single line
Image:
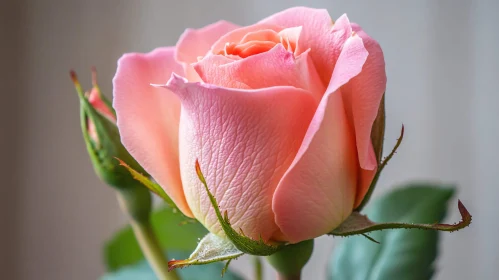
{"points": [[152, 251], [257, 262], [136, 202]]}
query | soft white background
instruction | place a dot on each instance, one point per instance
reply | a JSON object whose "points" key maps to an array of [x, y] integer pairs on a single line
{"points": [[443, 79]]}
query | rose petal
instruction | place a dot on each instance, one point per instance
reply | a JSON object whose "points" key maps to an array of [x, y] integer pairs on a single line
{"points": [[96, 101], [238, 35], [277, 67], [319, 34], [244, 140], [194, 43], [260, 35], [148, 117], [318, 191], [290, 38], [362, 97]]}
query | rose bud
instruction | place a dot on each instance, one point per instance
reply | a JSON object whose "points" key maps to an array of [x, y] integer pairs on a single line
{"points": [[279, 115], [101, 135]]}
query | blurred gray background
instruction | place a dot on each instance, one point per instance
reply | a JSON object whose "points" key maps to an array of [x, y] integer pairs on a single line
{"points": [[442, 60]]}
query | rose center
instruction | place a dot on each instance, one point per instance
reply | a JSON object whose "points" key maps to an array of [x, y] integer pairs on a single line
{"points": [[261, 41]]}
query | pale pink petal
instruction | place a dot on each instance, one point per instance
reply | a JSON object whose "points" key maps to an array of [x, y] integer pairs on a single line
{"points": [[260, 35], [318, 191], [96, 101], [194, 43], [277, 67], [245, 140], [210, 71], [148, 117], [318, 34]]}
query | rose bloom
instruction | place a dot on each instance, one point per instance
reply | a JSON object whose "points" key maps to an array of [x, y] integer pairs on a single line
{"points": [[279, 115]]}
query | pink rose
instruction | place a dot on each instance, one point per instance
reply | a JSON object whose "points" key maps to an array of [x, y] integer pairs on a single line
{"points": [[278, 113]]}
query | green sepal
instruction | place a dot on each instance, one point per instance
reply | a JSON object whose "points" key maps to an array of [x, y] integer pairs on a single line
{"points": [[142, 271], [212, 248], [357, 223], [242, 242], [381, 166], [151, 185], [378, 131]]}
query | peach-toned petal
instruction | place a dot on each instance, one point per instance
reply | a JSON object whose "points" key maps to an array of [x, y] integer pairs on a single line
{"points": [[364, 94], [261, 35], [148, 117], [290, 38], [245, 140], [277, 67], [362, 97], [238, 35], [318, 34], [318, 191], [194, 43]]}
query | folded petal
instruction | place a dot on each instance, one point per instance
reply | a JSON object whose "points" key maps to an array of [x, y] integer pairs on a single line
{"points": [[148, 117], [245, 140], [362, 97], [318, 191], [277, 67], [197, 42], [239, 34], [318, 34]]}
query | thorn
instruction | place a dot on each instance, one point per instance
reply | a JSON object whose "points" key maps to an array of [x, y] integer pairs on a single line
{"points": [[370, 238], [464, 213]]}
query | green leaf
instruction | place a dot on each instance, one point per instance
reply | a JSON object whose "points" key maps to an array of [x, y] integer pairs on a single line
{"points": [[240, 241], [172, 231], [143, 271], [212, 248], [402, 253]]}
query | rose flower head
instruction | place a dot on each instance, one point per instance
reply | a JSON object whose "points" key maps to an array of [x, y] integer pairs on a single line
{"points": [[279, 115]]}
